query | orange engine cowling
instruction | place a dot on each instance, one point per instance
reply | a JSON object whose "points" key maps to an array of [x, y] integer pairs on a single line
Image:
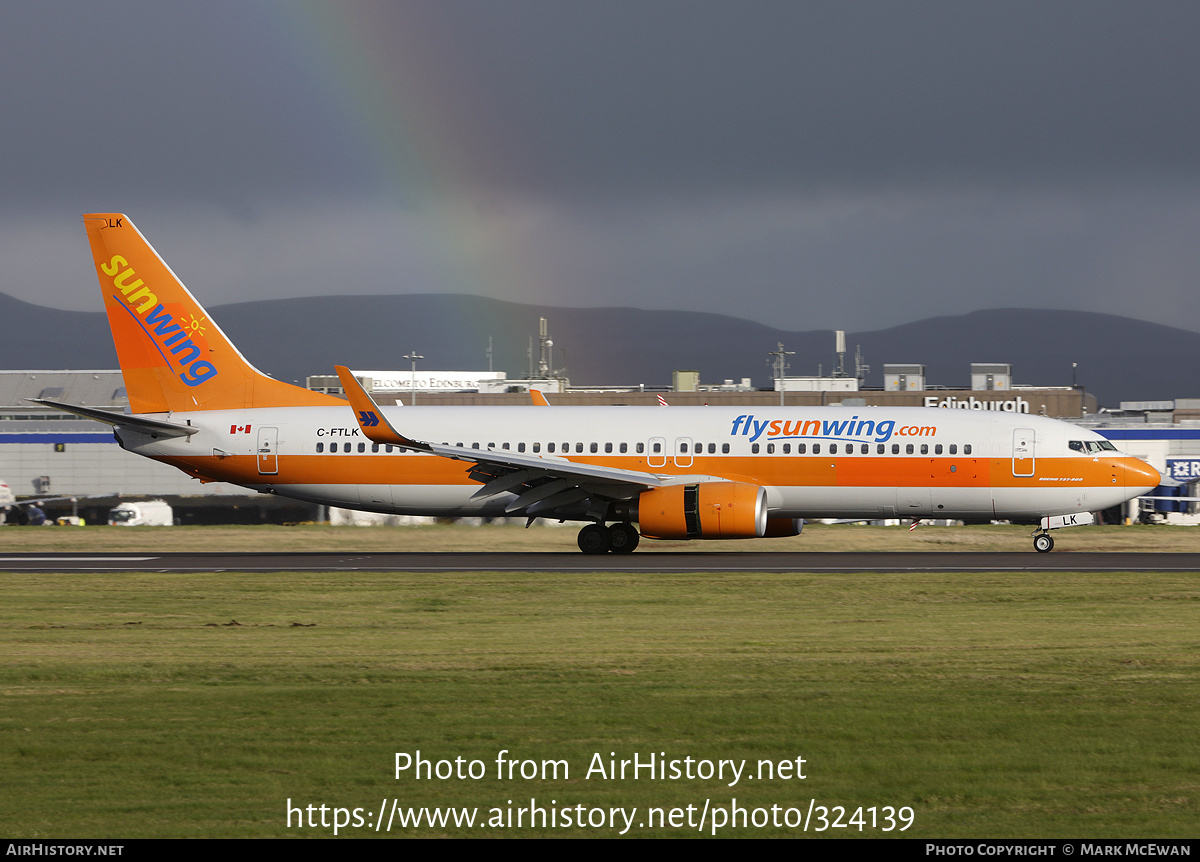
{"points": [[707, 510]]}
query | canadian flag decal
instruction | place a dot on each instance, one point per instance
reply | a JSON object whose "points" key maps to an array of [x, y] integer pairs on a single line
{"points": [[239, 429]]}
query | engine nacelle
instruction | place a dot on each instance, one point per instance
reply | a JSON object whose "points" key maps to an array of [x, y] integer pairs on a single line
{"points": [[707, 510], [781, 528]]}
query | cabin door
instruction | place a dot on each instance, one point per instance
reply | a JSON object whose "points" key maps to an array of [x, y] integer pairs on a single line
{"points": [[268, 445], [1023, 441]]}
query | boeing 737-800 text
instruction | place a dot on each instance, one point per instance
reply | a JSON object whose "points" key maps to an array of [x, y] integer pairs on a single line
{"points": [[675, 473]]}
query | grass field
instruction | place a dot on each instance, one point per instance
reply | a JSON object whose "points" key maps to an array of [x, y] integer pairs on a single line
{"points": [[995, 705]]}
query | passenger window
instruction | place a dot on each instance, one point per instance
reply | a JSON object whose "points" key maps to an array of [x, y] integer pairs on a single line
{"points": [[833, 448], [787, 448], [953, 448], [754, 448], [683, 447], [579, 448], [388, 448], [908, 450], [520, 447], [474, 445], [880, 448], [924, 448], [816, 448], [549, 447], [724, 448], [641, 448], [967, 449], [770, 448], [607, 448], [657, 448], [895, 448], [594, 448], [320, 447], [712, 448], [374, 447], [801, 448], [503, 445], [624, 448], [537, 447], [491, 445], [937, 449]]}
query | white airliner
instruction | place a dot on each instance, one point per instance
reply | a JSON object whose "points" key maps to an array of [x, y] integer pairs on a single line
{"points": [[680, 473]]}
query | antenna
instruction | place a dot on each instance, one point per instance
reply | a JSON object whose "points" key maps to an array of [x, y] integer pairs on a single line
{"points": [[861, 369], [780, 365], [839, 342], [545, 345]]}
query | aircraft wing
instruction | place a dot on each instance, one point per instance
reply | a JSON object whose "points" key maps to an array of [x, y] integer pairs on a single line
{"points": [[541, 483]]}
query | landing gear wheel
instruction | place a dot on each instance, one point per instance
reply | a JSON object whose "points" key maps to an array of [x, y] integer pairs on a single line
{"points": [[623, 538], [594, 539], [1043, 544]]}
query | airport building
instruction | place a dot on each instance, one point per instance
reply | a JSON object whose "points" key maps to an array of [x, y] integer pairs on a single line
{"points": [[48, 453]]}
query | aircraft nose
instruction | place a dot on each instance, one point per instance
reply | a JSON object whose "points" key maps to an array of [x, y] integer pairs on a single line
{"points": [[1140, 476]]}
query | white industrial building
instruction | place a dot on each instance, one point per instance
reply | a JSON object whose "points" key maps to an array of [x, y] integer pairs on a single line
{"points": [[45, 452]]}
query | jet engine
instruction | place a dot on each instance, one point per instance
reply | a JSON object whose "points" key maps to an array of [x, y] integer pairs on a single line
{"points": [[707, 510]]}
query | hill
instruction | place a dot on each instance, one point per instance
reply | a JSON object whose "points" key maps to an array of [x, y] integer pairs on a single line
{"points": [[1119, 358]]}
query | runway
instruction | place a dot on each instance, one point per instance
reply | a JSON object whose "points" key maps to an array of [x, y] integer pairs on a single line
{"points": [[651, 562]]}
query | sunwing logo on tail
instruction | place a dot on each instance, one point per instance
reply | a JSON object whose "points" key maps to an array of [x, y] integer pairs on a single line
{"points": [[183, 340]]}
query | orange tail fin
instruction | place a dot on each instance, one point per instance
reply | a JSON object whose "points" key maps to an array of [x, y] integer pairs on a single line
{"points": [[173, 356]]}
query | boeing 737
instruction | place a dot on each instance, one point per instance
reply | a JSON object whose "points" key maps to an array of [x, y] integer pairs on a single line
{"points": [[624, 472]]}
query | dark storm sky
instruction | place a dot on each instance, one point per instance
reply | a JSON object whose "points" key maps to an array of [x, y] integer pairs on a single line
{"points": [[848, 165]]}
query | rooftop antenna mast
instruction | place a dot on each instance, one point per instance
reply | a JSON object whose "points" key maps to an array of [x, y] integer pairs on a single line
{"points": [[861, 369], [780, 365], [545, 347], [839, 347]]}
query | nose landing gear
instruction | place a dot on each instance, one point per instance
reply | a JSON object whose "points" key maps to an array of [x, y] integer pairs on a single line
{"points": [[1043, 543]]}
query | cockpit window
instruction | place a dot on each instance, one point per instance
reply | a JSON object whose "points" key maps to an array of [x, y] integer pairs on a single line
{"points": [[1092, 446]]}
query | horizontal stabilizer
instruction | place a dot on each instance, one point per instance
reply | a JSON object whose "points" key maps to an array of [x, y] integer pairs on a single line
{"points": [[124, 420]]}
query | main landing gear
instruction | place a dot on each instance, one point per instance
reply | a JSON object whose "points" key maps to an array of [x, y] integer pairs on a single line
{"points": [[620, 538]]}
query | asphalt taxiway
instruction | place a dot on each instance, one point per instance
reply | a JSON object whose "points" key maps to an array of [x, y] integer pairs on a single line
{"points": [[651, 562]]}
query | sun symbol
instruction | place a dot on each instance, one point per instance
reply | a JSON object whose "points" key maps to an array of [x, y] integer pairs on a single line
{"points": [[194, 325]]}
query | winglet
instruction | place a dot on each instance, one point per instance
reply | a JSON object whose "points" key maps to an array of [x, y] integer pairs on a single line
{"points": [[375, 426], [539, 398]]}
